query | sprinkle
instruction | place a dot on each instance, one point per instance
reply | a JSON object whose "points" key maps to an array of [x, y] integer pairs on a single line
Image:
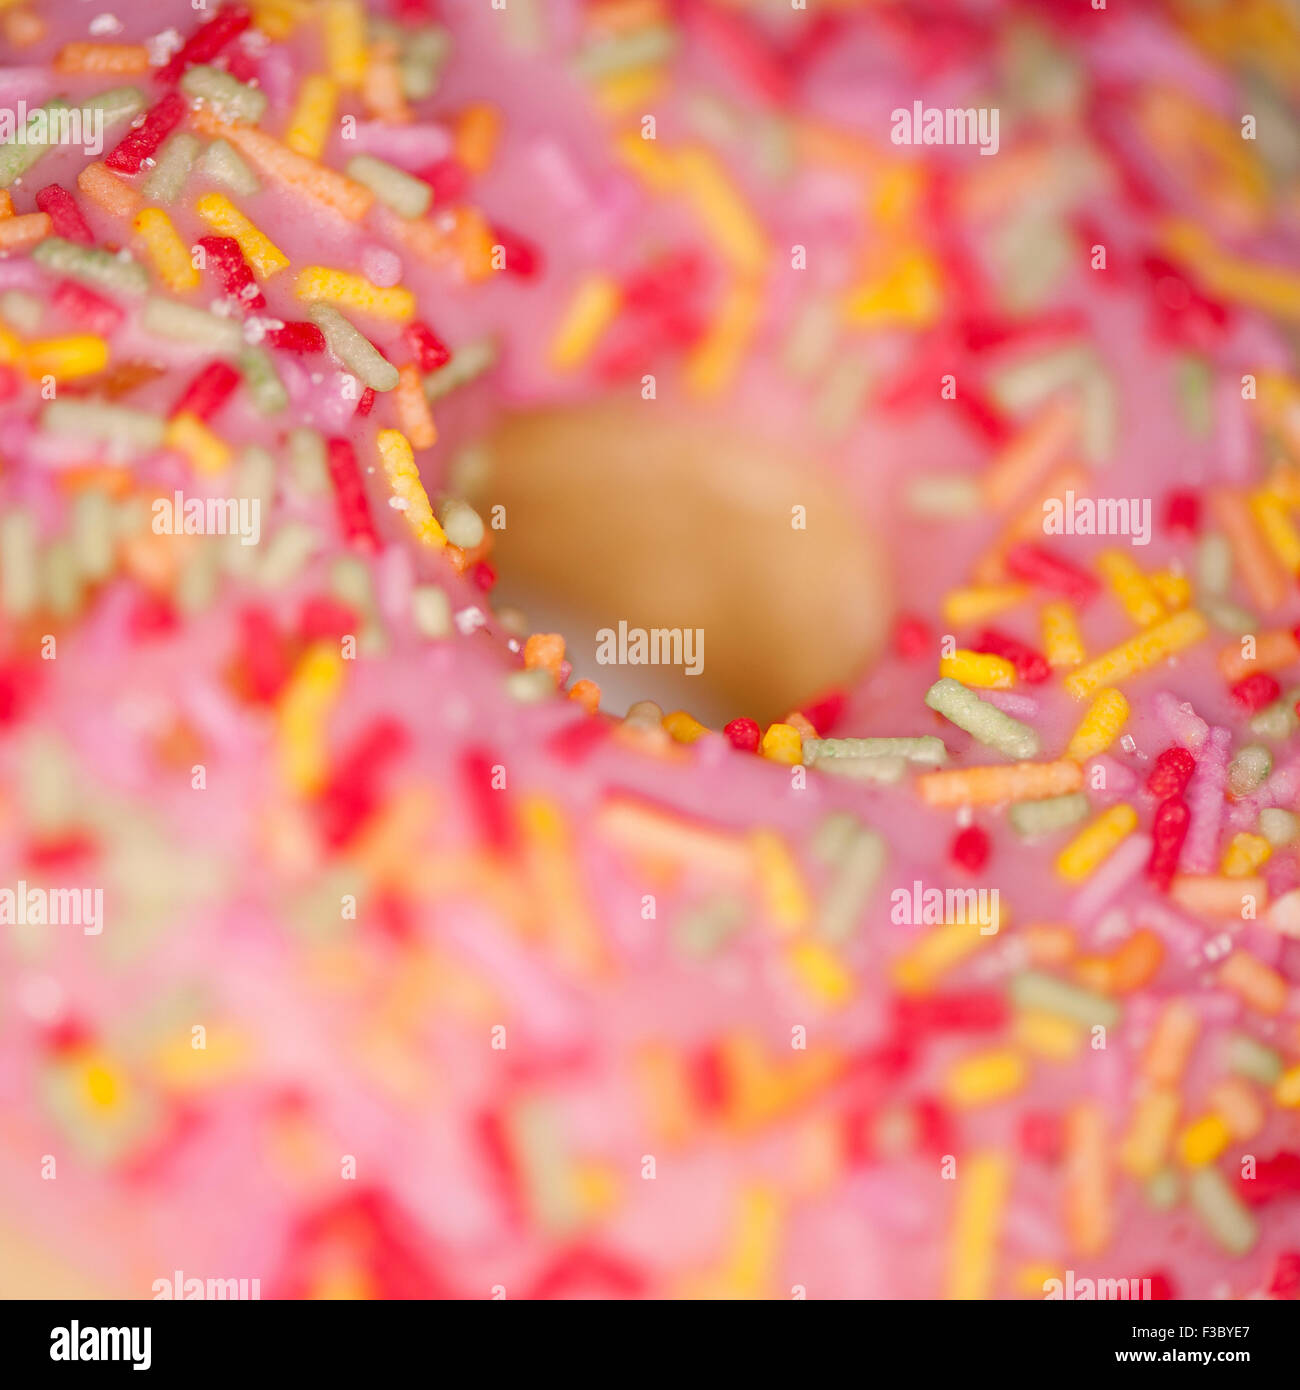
{"points": [[1222, 1211], [406, 195], [1253, 693], [142, 143], [1273, 650], [1034, 990], [820, 972], [18, 233], [977, 1225], [188, 435], [684, 728], [984, 1077], [1257, 985], [943, 495], [917, 970], [1031, 453], [859, 864], [1145, 1146], [81, 355], [1100, 727], [464, 527], [303, 708], [1034, 818], [926, 749], [223, 165], [206, 42], [1131, 587], [962, 606], [591, 311], [404, 482], [313, 116], [779, 880], [263, 381], [982, 720], [224, 258], [102, 59], [1252, 1059], [1035, 565], [18, 156], [1249, 769], [91, 263], [354, 349], [233, 100], [167, 178], [1048, 1035], [971, 848], [283, 165], [65, 216], [1139, 653], [1270, 515], [1088, 1178], [469, 362], [318, 282], [1279, 827], [345, 41], [163, 244], [1061, 639], [355, 519], [976, 786], [782, 744], [979, 669], [1168, 834], [1259, 570], [108, 424], [184, 323], [1286, 1092], [1097, 842], [225, 218], [18, 562], [430, 351], [713, 361]]}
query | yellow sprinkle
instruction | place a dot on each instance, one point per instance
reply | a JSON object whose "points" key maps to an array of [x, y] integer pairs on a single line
{"points": [[820, 972], [404, 482], [345, 41], [713, 361], [313, 115], [629, 90], [1203, 1141], [654, 166], [780, 881], [756, 1242], [277, 19], [1048, 1035], [1095, 843], [11, 345], [1100, 727], [979, 668], [590, 313], [1272, 289], [937, 952], [1286, 1090], [962, 606], [188, 435], [304, 706], [722, 210], [683, 727], [908, 294], [103, 1084], [1143, 1150], [170, 255], [321, 282], [1139, 653], [81, 354], [982, 1184], [1173, 588], [1271, 517], [985, 1077], [1131, 587], [782, 744], [265, 258], [1245, 853], [1062, 643]]}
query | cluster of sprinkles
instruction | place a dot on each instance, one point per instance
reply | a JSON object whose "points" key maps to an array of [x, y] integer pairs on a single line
{"points": [[1054, 727]]}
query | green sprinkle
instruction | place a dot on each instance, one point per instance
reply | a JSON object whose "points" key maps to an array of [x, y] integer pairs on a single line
{"points": [[879, 769], [1032, 379], [1031, 818], [1195, 383], [262, 380], [530, 687], [17, 157], [256, 479], [222, 163], [235, 100], [1276, 721], [926, 749], [408, 196], [1230, 617], [357, 353], [92, 533], [431, 611], [100, 267], [166, 179], [702, 931], [110, 424], [983, 721], [859, 863], [1163, 1189], [1279, 827], [462, 524], [1222, 1211], [307, 461], [424, 54], [19, 553], [1248, 769], [1250, 1058], [467, 363], [834, 835], [22, 311], [641, 48], [61, 580], [1213, 565], [287, 554], [1032, 989], [1099, 428], [117, 104], [943, 495], [185, 324]]}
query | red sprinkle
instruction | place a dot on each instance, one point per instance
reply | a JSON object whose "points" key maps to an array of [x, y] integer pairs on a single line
{"points": [[971, 848], [1042, 1136], [1278, 1176], [227, 262], [89, 309], [1285, 1282], [968, 1011], [367, 402], [350, 494], [64, 214], [430, 351], [1183, 512], [522, 257], [1037, 566], [824, 713], [1171, 773], [585, 1270], [577, 741], [351, 795], [1162, 1288], [1168, 831], [325, 617], [10, 383], [1031, 666], [483, 575], [1256, 691], [142, 142], [151, 616], [206, 42], [913, 639], [489, 806], [208, 392], [743, 734], [297, 336], [264, 656], [448, 178]]}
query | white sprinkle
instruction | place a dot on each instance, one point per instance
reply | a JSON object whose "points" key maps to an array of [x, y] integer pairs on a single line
{"points": [[470, 620], [105, 24]]}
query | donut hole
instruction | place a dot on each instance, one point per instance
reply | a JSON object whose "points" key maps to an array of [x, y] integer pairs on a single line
{"points": [[624, 518]]}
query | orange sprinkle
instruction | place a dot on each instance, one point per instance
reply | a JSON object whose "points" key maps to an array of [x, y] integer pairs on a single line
{"points": [[1031, 453], [414, 417], [1216, 895], [586, 694], [1237, 1102], [6, 204], [1274, 650], [1165, 1057], [544, 651], [381, 87], [1259, 569], [475, 136], [102, 59], [103, 187], [981, 786], [18, 233], [1027, 524], [1088, 1178], [1259, 986]]}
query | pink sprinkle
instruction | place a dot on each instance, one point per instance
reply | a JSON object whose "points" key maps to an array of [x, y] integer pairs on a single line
{"points": [[1180, 720], [1110, 879], [1205, 801], [380, 266], [1017, 706]]}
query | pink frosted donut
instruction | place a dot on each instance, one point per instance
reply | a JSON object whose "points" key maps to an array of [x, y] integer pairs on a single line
{"points": [[348, 948]]}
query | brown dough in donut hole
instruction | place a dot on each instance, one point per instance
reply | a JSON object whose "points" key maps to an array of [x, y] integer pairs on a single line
{"points": [[671, 517]]}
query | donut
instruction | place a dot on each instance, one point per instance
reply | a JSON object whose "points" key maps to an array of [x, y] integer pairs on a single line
{"points": [[879, 878]]}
